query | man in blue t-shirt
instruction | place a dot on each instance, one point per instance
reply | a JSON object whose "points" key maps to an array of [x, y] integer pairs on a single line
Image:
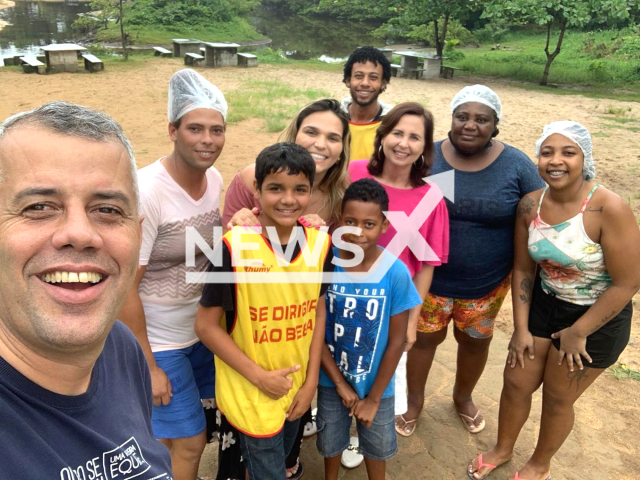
{"points": [[367, 315], [75, 391]]}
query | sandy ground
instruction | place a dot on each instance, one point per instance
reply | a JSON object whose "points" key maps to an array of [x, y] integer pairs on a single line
{"points": [[603, 444]]}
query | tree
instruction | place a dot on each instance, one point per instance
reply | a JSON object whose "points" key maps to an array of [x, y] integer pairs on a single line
{"points": [[415, 15], [102, 12], [123, 36], [558, 15]]}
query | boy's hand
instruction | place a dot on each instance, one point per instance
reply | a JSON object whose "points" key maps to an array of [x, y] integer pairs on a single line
{"points": [[348, 395], [276, 383], [301, 402], [365, 411]]}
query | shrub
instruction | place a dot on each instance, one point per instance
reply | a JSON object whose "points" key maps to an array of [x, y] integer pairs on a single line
{"points": [[493, 32], [85, 25], [426, 33], [630, 47], [451, 52]]}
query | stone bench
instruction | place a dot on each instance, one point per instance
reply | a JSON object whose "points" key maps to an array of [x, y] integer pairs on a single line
{"points": [[447, 72], [32, 65], [193, 59], [247, 60], [395, 68], [92, 63], [162, 52]]}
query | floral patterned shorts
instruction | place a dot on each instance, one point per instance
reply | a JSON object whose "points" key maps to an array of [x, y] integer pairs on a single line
{"points": [[474, 317]]}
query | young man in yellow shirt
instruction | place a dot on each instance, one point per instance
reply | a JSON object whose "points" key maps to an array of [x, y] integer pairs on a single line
{"points": [[367, 74]]}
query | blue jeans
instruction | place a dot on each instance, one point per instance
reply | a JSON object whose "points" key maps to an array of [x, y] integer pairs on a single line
{"points": [[264, 456]]}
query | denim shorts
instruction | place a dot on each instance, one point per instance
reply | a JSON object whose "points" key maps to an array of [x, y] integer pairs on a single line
{"points": [[377, 442], [192, 375]]}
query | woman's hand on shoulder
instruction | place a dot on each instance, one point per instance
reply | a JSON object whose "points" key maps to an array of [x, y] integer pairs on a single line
{"points": [[244, 218], [312, 220]]}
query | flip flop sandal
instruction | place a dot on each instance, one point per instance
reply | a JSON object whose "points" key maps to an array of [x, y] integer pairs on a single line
{"points": [[311, 428], [408, 428], [481, 464], [470, 422], [298, 473], [352, 457]]}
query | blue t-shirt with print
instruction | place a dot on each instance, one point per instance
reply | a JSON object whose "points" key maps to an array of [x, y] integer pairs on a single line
{"points": [[481, 223], [359, 308]]}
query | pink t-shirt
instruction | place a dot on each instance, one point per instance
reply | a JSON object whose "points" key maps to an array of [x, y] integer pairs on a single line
{"points": [[238, 196], [435, 229]]}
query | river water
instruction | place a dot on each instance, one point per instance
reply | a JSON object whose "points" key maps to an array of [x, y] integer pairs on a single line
{"points": [[35, 24]]}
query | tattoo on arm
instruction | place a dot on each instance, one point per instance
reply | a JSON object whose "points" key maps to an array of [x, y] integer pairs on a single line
{"points": [[525, 206], [596, 210], [526, 288], [578, 376], [603, 322]]}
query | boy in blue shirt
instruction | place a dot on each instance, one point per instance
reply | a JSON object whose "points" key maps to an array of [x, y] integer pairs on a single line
{"points": [[367, 317]]}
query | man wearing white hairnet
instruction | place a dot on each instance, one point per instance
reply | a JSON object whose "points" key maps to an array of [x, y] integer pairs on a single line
{"points": [[178, 191]]}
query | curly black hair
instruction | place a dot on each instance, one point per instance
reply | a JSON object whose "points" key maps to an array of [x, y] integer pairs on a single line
{"points": [[369, 191], [364, 55]]}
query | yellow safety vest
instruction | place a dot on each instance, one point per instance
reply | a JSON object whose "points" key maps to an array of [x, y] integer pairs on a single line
{"points": [[362, 138], [273, 325]]}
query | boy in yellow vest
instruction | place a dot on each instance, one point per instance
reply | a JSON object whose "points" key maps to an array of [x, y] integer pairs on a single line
{"points": [[266, 325]]}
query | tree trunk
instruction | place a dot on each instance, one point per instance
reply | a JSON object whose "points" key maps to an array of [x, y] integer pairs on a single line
{"points": [[551, 56], [440, 39], [437, 35], [123, 35], [444, 36]]}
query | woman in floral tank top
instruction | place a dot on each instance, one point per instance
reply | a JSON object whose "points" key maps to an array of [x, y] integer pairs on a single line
{"points": [[573, 318]]}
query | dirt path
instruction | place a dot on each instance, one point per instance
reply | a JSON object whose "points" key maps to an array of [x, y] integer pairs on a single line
{"points": [[604, 442]]}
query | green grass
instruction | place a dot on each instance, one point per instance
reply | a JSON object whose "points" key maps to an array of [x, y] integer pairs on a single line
{"points": [[617, 111], [236, 31], [621, 120], [274, 102], [620, 371], [573, 71], [619, 127]]}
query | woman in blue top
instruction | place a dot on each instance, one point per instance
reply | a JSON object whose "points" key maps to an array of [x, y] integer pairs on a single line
{"points": [[490, 179], [585, 243]]}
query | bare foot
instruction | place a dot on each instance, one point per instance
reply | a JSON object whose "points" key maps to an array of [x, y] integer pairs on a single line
{"points": [[493, 457], [532, 471]]}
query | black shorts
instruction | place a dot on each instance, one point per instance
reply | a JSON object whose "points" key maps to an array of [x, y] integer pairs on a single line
{"points": [[549, 315]]}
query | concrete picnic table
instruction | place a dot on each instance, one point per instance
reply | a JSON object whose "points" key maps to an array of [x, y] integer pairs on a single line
{"points": [[182, 46], [62, 57], [221, 54], [409, 64]]}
